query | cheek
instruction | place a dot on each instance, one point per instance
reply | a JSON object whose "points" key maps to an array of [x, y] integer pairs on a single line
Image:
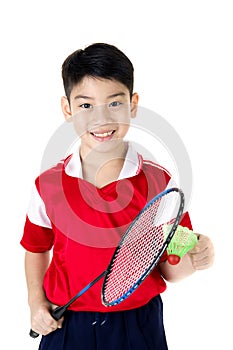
{"points": [[124, 129], [80, 123], [124, 120], [122, 114]]}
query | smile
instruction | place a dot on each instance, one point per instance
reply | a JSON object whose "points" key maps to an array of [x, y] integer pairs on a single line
{"points": [[104, 134]]}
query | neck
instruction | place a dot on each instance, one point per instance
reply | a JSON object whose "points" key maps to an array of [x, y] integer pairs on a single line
{"points": [[101, 168]]}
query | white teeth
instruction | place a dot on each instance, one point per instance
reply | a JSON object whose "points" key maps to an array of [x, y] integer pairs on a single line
{"points": [[105, 134]]}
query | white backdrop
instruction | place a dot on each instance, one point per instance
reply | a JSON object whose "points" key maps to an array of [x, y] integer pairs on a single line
{"points": [[182, 54]]}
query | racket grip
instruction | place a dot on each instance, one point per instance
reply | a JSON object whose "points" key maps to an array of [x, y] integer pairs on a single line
{"points": [[56, 314], [33, 334]]}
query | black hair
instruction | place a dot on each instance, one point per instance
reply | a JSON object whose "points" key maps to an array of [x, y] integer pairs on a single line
{"points": [[97, 60]]}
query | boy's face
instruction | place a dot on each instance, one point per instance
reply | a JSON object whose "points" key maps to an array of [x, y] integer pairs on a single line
{"points": [[101, 110]]}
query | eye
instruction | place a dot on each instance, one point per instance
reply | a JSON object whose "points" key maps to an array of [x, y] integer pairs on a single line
{"points": [[115, 104], [86, 106]]}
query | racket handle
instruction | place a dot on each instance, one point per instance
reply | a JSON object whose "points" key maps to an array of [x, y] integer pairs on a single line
{"points": [[56, 314], [33, 334]]}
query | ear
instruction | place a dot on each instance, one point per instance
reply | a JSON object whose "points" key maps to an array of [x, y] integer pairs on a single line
{"points": [[134, 105], [65, 106]]}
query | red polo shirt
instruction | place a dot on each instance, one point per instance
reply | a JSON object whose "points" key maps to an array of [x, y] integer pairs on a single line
{"points": [[83, 224]]}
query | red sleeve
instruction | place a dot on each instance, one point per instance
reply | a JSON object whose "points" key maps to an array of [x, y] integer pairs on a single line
{"points": [[35, 238], [185, 221]]}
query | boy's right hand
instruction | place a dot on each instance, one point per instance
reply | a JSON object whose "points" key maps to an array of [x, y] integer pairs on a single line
{"points": [[41, 320]]}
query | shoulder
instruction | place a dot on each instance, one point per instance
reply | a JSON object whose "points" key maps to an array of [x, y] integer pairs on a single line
{"points": [[155, 168], [153, 178], [52, 176]]}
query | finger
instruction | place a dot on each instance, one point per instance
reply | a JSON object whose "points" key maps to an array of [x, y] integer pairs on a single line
{"points": [[199, 254], [203, 243], [47, 325], [42, 329], [60, 321], [47, 329], [202, 260], [203, 264]]}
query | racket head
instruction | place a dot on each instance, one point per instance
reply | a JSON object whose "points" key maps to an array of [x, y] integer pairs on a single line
{"points": [[142, 246]]}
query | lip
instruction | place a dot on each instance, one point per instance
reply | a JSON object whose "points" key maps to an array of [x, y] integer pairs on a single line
{"points": [[103, 135]]}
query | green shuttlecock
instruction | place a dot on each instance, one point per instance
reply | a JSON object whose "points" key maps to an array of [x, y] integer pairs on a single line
{"points": [[182, 241]]}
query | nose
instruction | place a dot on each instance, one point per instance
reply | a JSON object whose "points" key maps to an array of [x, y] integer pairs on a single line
{"points": [[100, 117], [102, 114]]}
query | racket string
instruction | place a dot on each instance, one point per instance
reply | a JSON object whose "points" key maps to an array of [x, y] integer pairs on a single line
{"points": [[132, 260]]}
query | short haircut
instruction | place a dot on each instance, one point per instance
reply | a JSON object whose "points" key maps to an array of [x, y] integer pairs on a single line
{"points": [[98, 60]]}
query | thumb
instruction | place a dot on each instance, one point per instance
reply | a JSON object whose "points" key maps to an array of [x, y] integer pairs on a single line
{"points": [[60, 322], [200, 245]]}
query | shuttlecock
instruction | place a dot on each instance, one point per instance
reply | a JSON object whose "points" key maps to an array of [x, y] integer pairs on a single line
{"points": [[183, 240]]}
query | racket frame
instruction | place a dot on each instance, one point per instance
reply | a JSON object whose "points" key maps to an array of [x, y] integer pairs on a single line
{"points": [[159, 255]]}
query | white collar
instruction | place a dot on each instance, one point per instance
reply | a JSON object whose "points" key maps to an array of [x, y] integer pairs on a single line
{"points": [[131, 167]]}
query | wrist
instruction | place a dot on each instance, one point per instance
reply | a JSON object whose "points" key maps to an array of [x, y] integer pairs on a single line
{"points": [[37, 297]]}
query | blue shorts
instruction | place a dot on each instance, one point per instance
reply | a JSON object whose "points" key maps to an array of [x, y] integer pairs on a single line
{"points": [[138, 329]]}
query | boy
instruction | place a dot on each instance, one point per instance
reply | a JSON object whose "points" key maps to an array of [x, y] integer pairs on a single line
{"points": [[81, 207]]}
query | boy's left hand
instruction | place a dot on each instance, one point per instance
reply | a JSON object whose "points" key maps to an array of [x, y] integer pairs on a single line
{"points": [[202, 255]]}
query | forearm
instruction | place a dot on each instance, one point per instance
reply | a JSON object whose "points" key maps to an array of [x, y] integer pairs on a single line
{"points": [[175, 273], [36, 265]]}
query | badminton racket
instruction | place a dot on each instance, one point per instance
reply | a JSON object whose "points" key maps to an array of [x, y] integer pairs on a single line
{"points": [[138, 252]]}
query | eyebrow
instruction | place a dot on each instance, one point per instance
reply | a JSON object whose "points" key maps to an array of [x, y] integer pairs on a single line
{"points": [[84, 97], [116, 94]]}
